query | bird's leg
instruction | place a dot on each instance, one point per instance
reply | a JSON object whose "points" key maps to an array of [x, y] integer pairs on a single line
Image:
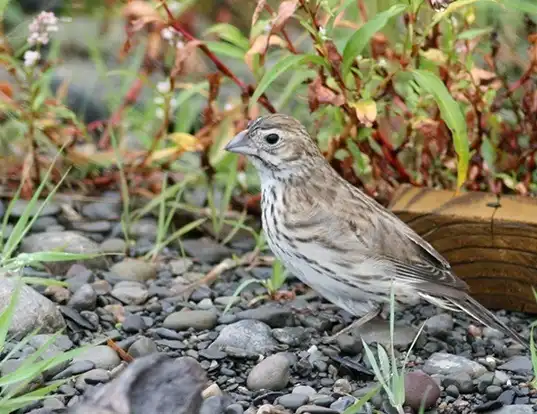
{"points": [[369, 316]]}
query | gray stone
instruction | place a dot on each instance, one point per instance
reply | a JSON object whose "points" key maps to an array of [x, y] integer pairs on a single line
{"points": [[461, 380], [206, 250], [519, 364], [293, 401], [315, 409], [135, 270], [33, 311], [447, 364], [42, 223], [274, 316], [92, 377], [77, 276], [102, 210], [77, 367], [440, 325], [133, 324], [114, 246], [84, 298], [100, 226], [50, 208], [62, 342], [250, 335], [151, 384], [102, 357], [493, 391], [146, 228], [197, 319], [142, 347], [180, 266], [379, 331], [304, 390], [292, 336], [273, 373], [130, 293], [514, 409], [66, 241]]}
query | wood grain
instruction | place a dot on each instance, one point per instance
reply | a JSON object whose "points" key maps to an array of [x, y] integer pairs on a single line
{"points": [[490, 243]]}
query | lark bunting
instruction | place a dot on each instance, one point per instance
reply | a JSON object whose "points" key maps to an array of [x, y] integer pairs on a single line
{"points": [[339, 241]]}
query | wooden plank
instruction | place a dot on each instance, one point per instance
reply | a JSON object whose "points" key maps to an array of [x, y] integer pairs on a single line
{"points": [[490, 243]]}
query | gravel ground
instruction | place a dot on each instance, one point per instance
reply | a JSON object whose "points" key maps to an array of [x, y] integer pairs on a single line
{"points": [[271, 358]]}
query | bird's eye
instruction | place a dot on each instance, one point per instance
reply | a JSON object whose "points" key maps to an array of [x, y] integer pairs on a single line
{"points": [[272, 139]]}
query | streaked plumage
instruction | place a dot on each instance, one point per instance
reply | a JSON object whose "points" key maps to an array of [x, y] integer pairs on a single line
{"points": [[338, 240]]}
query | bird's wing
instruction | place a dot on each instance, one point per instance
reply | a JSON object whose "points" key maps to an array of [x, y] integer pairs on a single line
{"points": [[392, 242]]}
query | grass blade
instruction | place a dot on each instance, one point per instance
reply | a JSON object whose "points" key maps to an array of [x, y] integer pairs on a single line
{"points": [[279, 68], [453, 117], [359, 40]]}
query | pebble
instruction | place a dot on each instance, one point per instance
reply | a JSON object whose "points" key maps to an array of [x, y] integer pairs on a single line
{"points": [[101, 356], [133, 324], [206, 250], [180, 266], [447, 364], [84, 298], [273, 373], [249, 335], [439, 325], [113, 246], [419, 385], [197, 319], [461, 380], [135, 270], [518, 364], [315, 409], [130, 293], [142, 347], [493, 392], [273, 316], [293, 401], [292, 336]]}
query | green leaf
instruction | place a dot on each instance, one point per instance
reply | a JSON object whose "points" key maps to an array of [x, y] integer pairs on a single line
{"points": [[279, 68], [231, 34], [453, 117], [357, 406], [359, 40], [473, 33], [239, 289], [7, 314], [225, 49], [450, 9], [526, 6], [279, 274]]}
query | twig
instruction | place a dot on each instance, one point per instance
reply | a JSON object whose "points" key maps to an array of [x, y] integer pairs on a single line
{"points": [[218, 63]]}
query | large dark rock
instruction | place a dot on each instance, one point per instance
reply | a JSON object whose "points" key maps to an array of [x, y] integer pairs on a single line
{"points": [[152, 384]]}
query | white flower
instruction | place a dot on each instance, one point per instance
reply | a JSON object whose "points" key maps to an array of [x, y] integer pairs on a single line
{"points": [[41, 26], [228, 107], [167, 33], [31, 57], [159, 100], [173, 103], [164, 86], [159, 113], [174, 6], [180, 44]]}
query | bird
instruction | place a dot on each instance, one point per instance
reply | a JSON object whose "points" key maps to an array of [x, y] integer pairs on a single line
{"points": [[339, 241]]}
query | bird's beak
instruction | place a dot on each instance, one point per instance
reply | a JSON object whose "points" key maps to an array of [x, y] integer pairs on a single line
{"points": [[240, 144]]}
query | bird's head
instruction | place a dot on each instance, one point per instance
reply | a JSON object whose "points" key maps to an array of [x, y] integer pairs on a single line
{"points": [[278, 145]]}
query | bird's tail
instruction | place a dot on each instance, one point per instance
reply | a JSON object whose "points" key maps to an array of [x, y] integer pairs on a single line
{"points": [[477, 311]]}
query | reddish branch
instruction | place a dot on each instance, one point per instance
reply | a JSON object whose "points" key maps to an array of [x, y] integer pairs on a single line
{"points": [[218, 63]]}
